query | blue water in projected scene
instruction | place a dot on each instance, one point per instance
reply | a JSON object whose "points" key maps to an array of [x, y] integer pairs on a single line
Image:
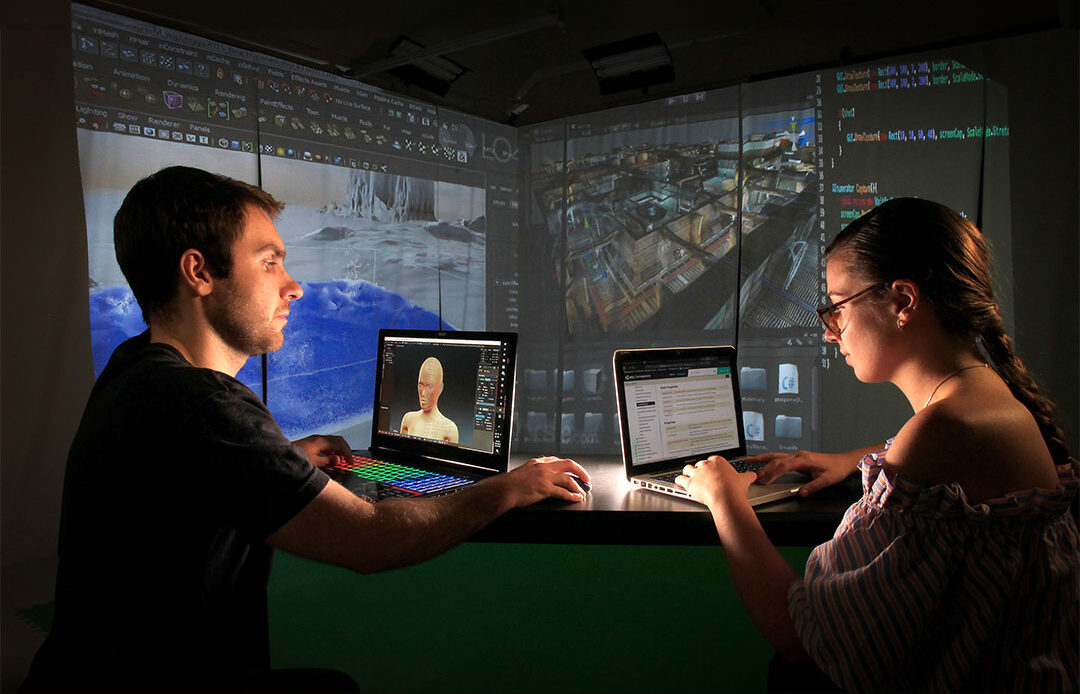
{"points": [[323, 377]]}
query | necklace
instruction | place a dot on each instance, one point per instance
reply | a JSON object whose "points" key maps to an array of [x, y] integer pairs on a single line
{"points": [[954, 373]]}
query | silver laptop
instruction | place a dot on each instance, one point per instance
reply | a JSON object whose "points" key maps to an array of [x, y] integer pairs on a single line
{"points": [[679, 405]]}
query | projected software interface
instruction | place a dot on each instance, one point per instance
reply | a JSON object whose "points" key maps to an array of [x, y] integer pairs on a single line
{"points": [[657, 223], [681, 409], [446, 390]]}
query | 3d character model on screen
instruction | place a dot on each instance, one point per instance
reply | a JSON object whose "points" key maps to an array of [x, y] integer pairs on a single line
{"points": [[428, 422]]}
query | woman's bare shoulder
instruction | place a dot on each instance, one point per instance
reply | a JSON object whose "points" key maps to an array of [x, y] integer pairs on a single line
{"points": [[932, 435], [987, 444]]}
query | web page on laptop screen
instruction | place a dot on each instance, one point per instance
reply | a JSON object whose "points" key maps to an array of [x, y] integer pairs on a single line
{"points": [[676, 410], [447, 390]]}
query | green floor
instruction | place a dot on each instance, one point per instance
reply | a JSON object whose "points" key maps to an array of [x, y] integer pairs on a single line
{"points": [[525, 618]]}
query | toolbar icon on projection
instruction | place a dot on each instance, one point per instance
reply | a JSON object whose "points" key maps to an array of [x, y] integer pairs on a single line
{"points": [[173, 100], [88, 44]]}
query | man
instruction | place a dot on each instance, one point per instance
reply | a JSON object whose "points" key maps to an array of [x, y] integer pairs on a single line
{"points": [[179, 482], [428, 422]]}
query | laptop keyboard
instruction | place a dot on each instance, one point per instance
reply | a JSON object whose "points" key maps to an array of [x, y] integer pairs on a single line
{"points": [[399, 480], [739, 464]]}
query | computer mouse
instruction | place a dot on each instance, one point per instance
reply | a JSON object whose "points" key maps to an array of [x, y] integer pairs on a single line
{"points": [[585, 486]]}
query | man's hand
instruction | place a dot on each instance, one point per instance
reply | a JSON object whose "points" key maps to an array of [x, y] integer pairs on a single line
{"points": [[324, 451], [543, 478]]}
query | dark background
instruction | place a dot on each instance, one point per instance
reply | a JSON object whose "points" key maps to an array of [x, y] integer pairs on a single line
{"points": [[586, 593]]}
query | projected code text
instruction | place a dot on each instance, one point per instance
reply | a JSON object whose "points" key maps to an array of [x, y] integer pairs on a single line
{"points": [[939, 73]]}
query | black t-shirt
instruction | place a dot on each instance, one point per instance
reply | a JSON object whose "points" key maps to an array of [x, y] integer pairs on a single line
{"points": [[176, 476]]}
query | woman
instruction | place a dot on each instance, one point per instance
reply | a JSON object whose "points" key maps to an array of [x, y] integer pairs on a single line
{"points": [[957, 569]]}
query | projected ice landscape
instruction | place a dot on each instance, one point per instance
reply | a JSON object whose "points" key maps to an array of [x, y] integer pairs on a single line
{"points": [[323, 379], [376, 250], [420, 239]]}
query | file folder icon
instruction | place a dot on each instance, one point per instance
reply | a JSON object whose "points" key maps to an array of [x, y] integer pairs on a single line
{"points": [[788, 427], [751, 378], [536, 380], [569, 424]]}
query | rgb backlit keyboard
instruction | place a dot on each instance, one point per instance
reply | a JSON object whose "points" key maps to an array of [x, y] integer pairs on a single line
{"points": [[400, 480]]}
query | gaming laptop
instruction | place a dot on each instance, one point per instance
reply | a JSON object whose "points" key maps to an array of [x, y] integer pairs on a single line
{"points": [[442, 413]]}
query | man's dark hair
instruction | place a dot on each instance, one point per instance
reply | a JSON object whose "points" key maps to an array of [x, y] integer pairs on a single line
{"points": [[171, 211]]}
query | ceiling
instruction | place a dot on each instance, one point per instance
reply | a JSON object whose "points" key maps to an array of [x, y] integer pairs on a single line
{"points": [[523, 59]]}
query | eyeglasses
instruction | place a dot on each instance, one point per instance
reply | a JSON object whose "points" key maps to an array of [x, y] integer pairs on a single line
{"points": [[827, 313]]}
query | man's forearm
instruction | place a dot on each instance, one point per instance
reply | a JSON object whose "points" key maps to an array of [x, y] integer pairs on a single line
{"points": [[413, 530], [339, 528]]}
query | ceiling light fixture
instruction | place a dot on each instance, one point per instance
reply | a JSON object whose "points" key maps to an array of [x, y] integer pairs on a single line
{"points": [[433, 72], [459, 44], [633, 63]]}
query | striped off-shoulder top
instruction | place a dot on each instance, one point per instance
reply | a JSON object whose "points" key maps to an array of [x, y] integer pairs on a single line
{"points": [[921, 590]]}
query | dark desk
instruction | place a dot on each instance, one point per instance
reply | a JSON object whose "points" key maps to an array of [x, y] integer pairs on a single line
{"points": [[617, 513]]}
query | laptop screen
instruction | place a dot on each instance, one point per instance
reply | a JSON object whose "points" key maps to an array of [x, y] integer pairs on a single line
{"points": [[678, 405], [445, 395]]}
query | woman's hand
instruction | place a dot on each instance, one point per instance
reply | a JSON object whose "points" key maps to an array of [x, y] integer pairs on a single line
{"points": [[714, 482], [825, 469]]}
